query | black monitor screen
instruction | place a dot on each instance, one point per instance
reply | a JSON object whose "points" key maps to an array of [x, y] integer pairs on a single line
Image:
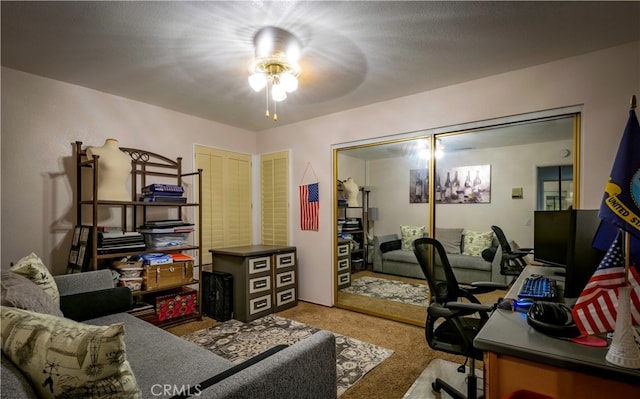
{"points": [[552, 237], [564, 238]]}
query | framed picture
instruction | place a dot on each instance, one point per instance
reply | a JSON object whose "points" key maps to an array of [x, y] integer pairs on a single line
{"points": [[76, 236], [464, 185], [418, 186], [84, 234]]}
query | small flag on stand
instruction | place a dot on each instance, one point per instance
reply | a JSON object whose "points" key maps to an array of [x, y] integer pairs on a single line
{"points": [[595, 310], [611, 299], [309, 206]]}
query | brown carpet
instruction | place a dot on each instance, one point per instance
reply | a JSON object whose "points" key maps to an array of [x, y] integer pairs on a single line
{"points": [[394, 376]]}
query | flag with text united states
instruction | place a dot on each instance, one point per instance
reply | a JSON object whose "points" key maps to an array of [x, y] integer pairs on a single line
{"points": [[309, 206], [621, 201]]}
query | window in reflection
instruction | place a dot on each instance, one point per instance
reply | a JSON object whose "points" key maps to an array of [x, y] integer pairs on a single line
{"points": [[555, 188]]}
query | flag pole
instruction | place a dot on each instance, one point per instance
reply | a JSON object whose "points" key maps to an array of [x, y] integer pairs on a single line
{"points": [[627, 236]]}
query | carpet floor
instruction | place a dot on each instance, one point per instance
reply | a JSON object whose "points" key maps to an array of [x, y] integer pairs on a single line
{"points": [[238, 341], [393, 377]]}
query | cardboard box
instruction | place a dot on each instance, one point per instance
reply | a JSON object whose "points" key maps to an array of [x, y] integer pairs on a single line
{"points": [[169, 275], [177, 304]]}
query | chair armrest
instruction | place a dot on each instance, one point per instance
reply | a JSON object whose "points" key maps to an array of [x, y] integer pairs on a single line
{"points": [[196, 389], [391, 246], [479, 287], [473, 307], [69, 284]]}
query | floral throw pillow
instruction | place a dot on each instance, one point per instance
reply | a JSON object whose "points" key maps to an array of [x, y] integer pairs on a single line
{"points": [[409, 234], [475, 242], [66, 359], [32, 267]]}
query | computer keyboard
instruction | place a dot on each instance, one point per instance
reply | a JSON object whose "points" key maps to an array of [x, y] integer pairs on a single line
{"points": [[538, 288]]}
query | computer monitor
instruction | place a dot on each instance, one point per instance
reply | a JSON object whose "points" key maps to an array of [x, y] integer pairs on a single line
{"points": [[564, 238], [551, 237]]}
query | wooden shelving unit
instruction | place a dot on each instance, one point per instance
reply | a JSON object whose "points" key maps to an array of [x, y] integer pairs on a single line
{"points": [[145, 166]]}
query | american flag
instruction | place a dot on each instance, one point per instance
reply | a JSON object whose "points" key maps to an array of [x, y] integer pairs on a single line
{"points": [[309, 206], [596, 309]]}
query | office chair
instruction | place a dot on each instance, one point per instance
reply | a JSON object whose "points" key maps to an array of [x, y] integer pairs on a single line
{"points": [[452, 324], [512, 262]]}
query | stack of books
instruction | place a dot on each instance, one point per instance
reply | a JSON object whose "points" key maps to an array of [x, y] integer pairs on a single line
{"points": [[114, 241], [154, 259], [163, 193], [166, 226]]}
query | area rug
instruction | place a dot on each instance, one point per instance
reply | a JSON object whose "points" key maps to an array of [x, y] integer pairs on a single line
{"points": [[238, 341], [448, 371], [392, 290]]}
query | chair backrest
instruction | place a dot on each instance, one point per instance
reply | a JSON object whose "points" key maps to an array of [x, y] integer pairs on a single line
{"points": [[502, 239], [442, 291]]}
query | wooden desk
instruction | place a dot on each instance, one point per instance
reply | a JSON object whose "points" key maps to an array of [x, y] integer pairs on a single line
{"points": [[518, 357]]}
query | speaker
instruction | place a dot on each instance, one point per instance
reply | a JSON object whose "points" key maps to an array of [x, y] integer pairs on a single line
{"points": [[217, 295], [552, 319]]}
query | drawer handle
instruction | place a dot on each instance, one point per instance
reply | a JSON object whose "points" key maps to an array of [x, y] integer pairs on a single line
{"points": [[172, 269], [285, 279], [260, 284], [261, 304], [286, 296], [260, 265]]}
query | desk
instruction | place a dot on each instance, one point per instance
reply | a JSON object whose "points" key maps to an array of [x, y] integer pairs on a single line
{"points": [[518, 357]]}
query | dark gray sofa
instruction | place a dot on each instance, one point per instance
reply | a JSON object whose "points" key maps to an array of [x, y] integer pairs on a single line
{"points": [[388, 258], [164, 364]]}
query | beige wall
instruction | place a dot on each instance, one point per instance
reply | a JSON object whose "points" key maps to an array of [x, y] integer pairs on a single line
{"points": [[42, 117], [601, 82]]}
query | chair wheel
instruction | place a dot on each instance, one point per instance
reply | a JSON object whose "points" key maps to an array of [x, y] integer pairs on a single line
{"points": [[435, 386]]}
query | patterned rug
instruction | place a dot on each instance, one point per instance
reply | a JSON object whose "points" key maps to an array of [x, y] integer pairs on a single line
{"points": [[238, 341], [410, 293]]}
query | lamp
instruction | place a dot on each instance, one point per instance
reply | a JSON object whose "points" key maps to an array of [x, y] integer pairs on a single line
{"points": [[275, 65]]}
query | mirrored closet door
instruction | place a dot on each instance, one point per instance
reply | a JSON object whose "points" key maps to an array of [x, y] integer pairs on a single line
{"points": [[448, 183]]}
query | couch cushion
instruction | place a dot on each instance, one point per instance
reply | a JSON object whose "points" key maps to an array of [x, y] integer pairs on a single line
{"points": [[400, 256], [469, 262], [159, 358], [32, 267], [20, 292], [450, 238], [64, 358], [408, 234], [14, 384], [475, 242]]}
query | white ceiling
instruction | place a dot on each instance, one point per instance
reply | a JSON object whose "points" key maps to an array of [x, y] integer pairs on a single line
{"points": [[192, 57]]}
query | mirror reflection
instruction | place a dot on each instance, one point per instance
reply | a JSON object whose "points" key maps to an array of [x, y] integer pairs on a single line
{"points": [[392, 192]]}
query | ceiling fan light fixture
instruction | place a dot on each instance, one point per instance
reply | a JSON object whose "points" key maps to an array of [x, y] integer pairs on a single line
{"points": [[278, 92], [257, 81], [275, 63], [289, 82]]}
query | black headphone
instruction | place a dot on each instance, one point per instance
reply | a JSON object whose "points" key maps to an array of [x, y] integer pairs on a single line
{"points": [[552, 319]]}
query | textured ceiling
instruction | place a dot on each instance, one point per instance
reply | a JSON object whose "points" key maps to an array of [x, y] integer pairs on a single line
{"points": [[192, 57]]}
